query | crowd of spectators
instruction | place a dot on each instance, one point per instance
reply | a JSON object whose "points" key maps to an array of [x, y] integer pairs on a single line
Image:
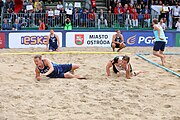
{"points": [[128, 13]]}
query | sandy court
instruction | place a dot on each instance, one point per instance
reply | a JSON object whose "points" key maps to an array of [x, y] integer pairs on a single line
{"points": [[154, 95]]}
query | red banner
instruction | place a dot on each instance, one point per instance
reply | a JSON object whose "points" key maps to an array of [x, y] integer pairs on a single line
{"points": [[2, 40]]}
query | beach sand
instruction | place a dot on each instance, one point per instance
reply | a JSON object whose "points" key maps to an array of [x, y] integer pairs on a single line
{"points": [[154, 95]]}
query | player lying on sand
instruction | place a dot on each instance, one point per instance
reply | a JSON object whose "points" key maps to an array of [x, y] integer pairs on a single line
{"points": [[121, 63], [44, 67]]}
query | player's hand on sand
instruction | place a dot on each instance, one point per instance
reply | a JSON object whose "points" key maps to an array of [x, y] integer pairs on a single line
{"points": [[58, 49], [118, 74], [38, 78]]}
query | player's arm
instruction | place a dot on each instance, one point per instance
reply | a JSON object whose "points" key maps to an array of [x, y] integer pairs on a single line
{"points": [[122, 38], [50, 65], [128, 72], [37, 74], [113, 39], [47, 43], [57, 37], [108, 66]]}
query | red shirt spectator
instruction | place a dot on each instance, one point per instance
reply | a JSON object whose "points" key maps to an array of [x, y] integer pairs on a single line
{"points": [[146, 16], [118, 9], [91, 15], [130, 8], [134, 15], [42, 25]]}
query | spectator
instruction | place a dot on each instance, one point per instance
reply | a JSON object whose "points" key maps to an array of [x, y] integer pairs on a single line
{"points": [[162, 12], [141, 19], [16, 25], [178, 25], [62, 16], [37, 15], [59, 5], [146, 9], [142, 6], [5, 25], [76, 18], [162, 24], [56, 16], [50, 17], [102, 18], [176, 14], [130, 8], [91, 18], [42, 14], [83, 18], [147, 18], [41, 25], [21, 16], [111, 9], [135, 18], [135, 4], [110, 19], [1, 5], [118, 9], [170, 18], [37, 3], [128, 21], [68, 25], [125, 8], [138, 9], [30, 3], [9, 6]]}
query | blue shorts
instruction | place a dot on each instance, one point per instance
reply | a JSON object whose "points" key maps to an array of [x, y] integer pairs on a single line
{"points": [[158, 45], [60, 70], [53, 48]]}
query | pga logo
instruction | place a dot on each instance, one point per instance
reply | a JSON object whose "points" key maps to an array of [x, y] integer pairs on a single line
{"points": [[147, 40]]}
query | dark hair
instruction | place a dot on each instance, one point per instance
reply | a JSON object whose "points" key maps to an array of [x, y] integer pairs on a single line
{"points": [[155, 21], [38, 56], [126, 58], [118, 30], [41, 20]]}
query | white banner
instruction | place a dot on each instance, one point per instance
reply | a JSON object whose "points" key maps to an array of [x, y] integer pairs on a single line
{"points": [[89, 39], [30, 39], [77, 4], [29, 7], [157, 8]]}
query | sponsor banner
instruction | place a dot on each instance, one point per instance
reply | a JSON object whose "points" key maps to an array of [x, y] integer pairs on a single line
{"points": [[2, 40], [178, 39], [30, 39], [144, 38], [89, 39], [104, 39]]}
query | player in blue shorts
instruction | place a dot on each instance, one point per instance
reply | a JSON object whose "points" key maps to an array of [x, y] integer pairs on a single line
{"points": [[53, 43], [160, 41], [44, 67]]}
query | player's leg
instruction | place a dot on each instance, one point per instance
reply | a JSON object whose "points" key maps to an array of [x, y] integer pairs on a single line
{"points": [[156, 48], [121, 46], [70, 75], [113, 45], [161, 52]]}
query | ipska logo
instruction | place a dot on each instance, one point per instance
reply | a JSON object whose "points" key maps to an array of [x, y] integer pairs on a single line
{"points": [[79, 39], [131, 40], [34, 40]]}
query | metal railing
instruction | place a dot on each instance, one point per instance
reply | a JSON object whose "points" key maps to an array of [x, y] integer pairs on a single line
{"points": [[79, 20]]}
